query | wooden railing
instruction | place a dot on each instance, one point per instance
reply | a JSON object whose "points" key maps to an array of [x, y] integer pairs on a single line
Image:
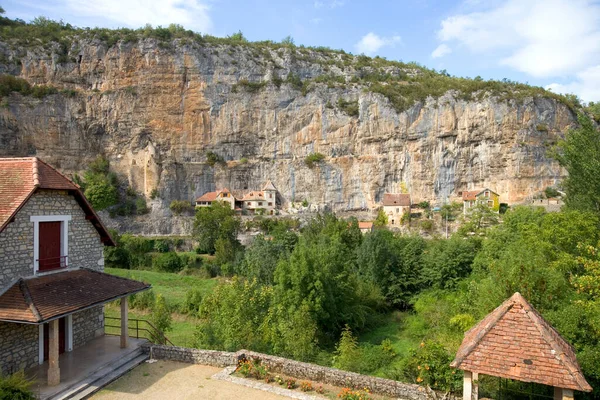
{"points": [[50, 264], [139, 329]]}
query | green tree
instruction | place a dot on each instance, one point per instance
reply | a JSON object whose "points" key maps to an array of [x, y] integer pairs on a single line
{"points": [[382, 220], [167, 262], [215, 222], [160, 317], [261, 258], [579, 154], [347, 353]]}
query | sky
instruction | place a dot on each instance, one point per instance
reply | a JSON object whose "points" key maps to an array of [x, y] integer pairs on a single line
{"points": [[550, 43]]}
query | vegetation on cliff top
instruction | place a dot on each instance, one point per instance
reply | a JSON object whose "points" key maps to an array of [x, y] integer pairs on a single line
{"points": [[404, 84]]}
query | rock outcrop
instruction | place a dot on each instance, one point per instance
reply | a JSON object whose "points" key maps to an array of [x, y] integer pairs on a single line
{"points": [[155, 112]]}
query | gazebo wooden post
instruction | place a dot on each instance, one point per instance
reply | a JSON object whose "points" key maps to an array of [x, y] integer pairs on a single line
{"points": [[124, 322], [563, 394], [53, 366], [471, 386]]}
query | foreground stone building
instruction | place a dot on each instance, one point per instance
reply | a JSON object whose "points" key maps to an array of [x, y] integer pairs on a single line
{"points": [[52, 285]]}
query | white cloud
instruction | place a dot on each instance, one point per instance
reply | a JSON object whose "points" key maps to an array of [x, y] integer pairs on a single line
{"points": [[328, 3], [192, 14], [441, 51], [371, 43], [316, 21], [586, 85], [542, 38]]}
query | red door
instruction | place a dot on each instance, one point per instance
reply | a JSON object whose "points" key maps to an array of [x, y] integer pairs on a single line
{"points": [[61, 338], [49, 256]]}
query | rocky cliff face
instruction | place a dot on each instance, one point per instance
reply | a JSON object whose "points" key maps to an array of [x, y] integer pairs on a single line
{"points": [[155, 112]]}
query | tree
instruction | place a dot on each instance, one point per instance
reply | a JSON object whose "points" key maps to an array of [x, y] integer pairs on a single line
{"points": [[382, 220], [261, 259], [579, 154], [215, 222], [161, 318]]}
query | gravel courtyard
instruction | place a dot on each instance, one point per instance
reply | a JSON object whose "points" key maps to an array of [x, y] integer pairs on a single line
{"points": [[173, 380]]}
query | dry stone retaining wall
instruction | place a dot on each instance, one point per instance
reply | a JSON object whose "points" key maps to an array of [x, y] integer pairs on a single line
{"points": [[292, 368]]}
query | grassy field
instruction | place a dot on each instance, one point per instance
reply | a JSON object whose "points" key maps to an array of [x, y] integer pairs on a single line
{"points": [[172, 287]]}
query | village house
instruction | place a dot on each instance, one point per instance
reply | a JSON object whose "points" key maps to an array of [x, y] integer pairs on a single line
{"points": [[480, 196], [52, 284], [223, 195], [365, 226], [265, 200], [395, 205]]}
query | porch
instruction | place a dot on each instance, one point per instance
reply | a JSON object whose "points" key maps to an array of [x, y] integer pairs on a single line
{"points": [[85, 365]]}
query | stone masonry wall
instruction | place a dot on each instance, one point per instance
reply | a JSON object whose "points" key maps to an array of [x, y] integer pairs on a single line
{"points": [[16, 241], [292, 368], [19, 347], [87, 325]]}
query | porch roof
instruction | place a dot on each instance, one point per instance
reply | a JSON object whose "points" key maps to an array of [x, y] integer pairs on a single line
{"points": [[515, 342], [43, 298]]}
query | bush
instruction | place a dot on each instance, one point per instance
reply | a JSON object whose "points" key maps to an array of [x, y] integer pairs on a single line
{"points": [[167, 262], [429, 365], [178, 207], [16, 387], [349, 107], [551, 192], [313, 158], [161, 246], [213, 158], [143, 301], [140, 206], [243, 160], [154, 193], [161, 318], [191, 304], [101, 193]]}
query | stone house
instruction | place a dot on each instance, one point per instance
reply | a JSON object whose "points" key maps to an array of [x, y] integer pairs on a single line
{"points": [[265, 199], [480, 196], [365, 226], [52, 284], [223, 195], [395, 205]]}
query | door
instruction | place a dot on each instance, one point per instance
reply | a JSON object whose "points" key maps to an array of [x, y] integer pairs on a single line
{"points": [[50, 246], [62, 331]]}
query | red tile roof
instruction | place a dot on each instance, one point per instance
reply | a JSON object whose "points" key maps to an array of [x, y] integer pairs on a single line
{"points": [[38, 299], [396, 199], [365, 225], [470, 195], [254, 196], [515, 342], [212, 196], [21, 177]]}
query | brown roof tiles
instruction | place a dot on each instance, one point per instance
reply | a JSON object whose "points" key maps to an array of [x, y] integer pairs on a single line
{"points": [[515, 342], [21, 177], [396, 199], [38, 299]]}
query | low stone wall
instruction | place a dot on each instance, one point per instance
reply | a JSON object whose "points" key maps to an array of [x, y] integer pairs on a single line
{"points": [[291, 368], [191, 356]]}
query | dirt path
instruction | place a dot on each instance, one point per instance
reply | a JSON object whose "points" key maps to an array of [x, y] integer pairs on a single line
{"points": [[173, 380]]}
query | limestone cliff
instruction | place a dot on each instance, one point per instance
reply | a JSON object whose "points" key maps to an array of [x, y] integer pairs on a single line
{"points": [[156, 111]]}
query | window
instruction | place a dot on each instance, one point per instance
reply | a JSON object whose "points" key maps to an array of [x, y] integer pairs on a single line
{"points": [[248, 204], [50, 242], [270, 204], [397, 210], [486, 194], [270, 195], [260, 203], [490, 203]]}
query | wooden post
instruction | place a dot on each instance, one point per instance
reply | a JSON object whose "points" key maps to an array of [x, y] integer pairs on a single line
{"points": [[53, 366], [124, 322], [470, 386], [567, 394]]}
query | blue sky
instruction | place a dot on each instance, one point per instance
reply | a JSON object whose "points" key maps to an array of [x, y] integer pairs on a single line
{"points": [[549, 43]]}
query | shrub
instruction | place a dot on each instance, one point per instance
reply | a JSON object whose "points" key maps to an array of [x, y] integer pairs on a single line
{"points": [[243, 160], [294, 81], [306, 386], [140, 206], [351, 394], [101, 193], [349, 107], [154, 193], [551, 192], [290, 383], [429, 365], [213, 158], [161, 246], [167, 262], [542, 127], [143, 301], [251, 87], [161, 318], [193, 299], [16, 387], [427, 225], [178, 207], [313, 158]]}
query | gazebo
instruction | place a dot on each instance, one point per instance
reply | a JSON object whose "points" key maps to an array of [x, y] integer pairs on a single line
{"points": [[515, 342]]}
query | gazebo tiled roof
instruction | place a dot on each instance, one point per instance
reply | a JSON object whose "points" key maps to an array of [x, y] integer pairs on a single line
{"points": [[515, 342]]}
